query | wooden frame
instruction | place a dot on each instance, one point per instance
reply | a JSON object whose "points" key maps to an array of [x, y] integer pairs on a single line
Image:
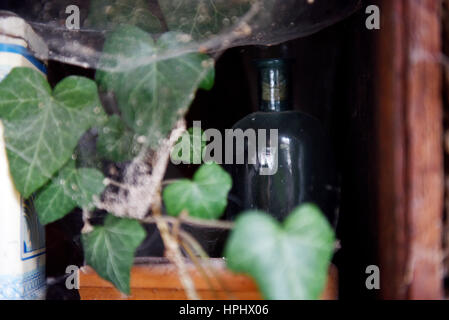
{"points": [[157, 279], [410, 150]]}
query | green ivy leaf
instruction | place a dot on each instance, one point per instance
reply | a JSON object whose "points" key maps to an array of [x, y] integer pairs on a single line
{"points": [[205, 197], [189, 148], [116, 142], [42, 129], [288, 260], [200, 19], [21, 91], [72, 187], [110, 248], [108, 14], [152, 95], [203, 19]]}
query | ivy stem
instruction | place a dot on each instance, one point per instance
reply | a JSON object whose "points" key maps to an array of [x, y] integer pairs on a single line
{"points": [[189, 240], [169, 181], [87, 226], [111, 182], [198, 265], [173, 250], [226, 225]]}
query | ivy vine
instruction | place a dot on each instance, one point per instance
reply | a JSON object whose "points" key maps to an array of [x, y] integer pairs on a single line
{"points": [[43, 127]]}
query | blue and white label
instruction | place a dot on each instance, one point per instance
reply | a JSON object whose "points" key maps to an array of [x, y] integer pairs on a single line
{"points": [[27, 286], [22, 237], [33, 233]]}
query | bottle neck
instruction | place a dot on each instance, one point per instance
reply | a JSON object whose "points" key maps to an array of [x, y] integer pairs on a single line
{"points": [[274, 86]]}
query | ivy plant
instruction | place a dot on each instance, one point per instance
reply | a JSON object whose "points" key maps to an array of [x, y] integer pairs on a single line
{"points": [[203, 197], [288, 260], [200, 19], [152, 94], [72, 187], [110, 248], [43, 128]]}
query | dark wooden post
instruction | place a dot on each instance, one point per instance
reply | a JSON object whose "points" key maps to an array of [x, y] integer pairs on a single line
{"points": [[410, 149]]}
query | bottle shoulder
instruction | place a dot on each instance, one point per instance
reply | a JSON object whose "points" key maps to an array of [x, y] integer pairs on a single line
{"points": [[293, 122]]}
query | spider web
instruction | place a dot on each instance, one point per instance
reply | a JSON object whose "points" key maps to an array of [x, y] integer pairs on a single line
{"points": [[214, 25], [209, 26]]}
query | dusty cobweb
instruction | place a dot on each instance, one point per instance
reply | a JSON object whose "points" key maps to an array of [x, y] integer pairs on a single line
{"points": [[206, 26]]}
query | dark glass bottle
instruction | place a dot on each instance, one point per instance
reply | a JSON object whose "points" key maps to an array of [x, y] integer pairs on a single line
{"points": [[293, 168]]}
